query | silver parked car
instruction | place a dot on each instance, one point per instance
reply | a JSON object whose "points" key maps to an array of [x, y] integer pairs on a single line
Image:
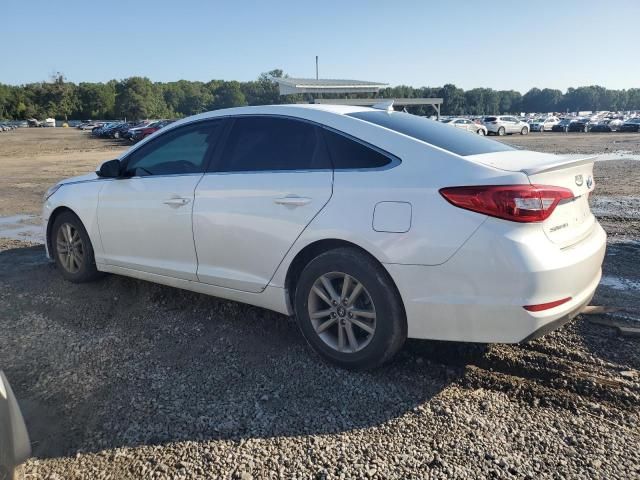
{"points": [[466, 124], [504, 124]]}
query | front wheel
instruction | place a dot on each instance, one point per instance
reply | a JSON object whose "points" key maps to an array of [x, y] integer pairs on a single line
{"points": [[348, 309], [72, 249], [524, 131]]}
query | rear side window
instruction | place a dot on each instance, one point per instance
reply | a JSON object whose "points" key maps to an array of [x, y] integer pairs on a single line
{"points": [[349, 154], [264, 143], [490, 119], [454, 140]]}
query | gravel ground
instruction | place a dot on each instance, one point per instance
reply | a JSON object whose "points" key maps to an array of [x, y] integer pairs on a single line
{"points": [[126, 379]]}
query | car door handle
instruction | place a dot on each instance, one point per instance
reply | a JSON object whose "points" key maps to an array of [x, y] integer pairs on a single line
{"points": [[177, 201], [292, 200]]}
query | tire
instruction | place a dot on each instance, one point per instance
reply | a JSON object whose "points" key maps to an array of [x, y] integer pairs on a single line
{"points": [[481, 132], [524, 131], [501, 131], [79, 266], [586, 129], [377, 296], [116, 135]]}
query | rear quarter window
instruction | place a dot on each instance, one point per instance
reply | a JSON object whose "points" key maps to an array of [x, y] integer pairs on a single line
{"points": [[434, 133], [347, 153]]}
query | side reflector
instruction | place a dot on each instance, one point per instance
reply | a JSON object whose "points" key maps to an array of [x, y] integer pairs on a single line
{"points": [[546, 306]]}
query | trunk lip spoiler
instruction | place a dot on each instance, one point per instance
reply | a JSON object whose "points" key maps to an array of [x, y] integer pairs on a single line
{"points": [[561, 163]]}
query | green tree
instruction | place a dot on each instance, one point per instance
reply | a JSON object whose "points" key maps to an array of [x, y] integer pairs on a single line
{"points": [[228, 94], [138, 98]]}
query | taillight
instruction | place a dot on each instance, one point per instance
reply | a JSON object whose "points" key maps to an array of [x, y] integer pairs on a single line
{"points": [[518, 203]]}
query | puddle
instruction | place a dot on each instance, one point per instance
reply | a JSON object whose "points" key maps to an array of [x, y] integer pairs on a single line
{"points": [[22, 227], [620, 283]]}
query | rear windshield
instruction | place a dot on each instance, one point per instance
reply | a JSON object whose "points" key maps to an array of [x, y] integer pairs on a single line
{"points": [[434, 133]]}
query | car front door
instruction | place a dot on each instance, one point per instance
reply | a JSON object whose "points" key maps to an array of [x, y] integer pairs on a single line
{"points": [[272, 177], [145, 216]]}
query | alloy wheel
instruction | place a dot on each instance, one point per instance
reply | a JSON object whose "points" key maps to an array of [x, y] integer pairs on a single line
{"points": [[69, 248], [342, 312]]}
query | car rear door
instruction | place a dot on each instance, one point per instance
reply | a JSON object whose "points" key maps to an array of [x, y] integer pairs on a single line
{"points": [[270, 180], [145, 217]]}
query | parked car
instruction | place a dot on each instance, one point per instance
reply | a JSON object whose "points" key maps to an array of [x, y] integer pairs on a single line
{"points": [[119, 131], [543, 124], [579, 125], [631, 125], [15, 447], [467, 125], [144, 132], [607, 125], [331, 213], [505, 124], [562, 125]]}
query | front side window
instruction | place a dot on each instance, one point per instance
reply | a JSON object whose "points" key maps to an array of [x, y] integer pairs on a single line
{"points": [[180, 151], [432, 132], [268, 143]]}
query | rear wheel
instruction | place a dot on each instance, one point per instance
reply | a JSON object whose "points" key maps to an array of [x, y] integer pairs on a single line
{"points": [[348, 309], [481, 132], [524, 131], [116, 135], [72, 249], [501, 131]]}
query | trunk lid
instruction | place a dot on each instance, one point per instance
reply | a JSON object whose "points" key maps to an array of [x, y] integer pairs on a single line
{"points": [[572, 220]]}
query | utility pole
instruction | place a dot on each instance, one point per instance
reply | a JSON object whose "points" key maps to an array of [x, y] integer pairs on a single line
{"points": [[316, 67]]}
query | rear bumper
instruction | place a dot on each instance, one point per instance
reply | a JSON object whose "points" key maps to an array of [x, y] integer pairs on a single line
{"points": [[479, 294]]}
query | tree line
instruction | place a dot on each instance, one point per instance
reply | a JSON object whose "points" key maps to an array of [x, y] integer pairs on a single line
{"points": [[139, 98]]}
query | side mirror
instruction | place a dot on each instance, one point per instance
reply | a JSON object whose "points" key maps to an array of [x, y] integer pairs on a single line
{"points": [[110, 169]]}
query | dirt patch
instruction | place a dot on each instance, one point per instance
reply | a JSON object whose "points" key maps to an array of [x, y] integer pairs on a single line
{"points": [[33, 159]]}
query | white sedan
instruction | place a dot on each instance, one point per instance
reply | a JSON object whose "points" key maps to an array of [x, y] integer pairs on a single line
{"points": [[466, 124], [368, 225]]}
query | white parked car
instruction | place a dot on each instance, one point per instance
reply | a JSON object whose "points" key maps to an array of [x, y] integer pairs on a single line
{"points": [[369, 225], [466, 124], [505, 124], [544, 124]]}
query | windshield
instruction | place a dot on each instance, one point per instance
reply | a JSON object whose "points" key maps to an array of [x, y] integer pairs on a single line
{"points": [[434, 133]]}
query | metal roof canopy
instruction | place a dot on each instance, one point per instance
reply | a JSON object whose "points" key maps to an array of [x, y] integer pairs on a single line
{"points": [[367, 102], [292, 86]]}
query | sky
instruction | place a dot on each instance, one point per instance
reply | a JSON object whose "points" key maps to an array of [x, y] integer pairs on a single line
{"points": [[499, 44]]}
